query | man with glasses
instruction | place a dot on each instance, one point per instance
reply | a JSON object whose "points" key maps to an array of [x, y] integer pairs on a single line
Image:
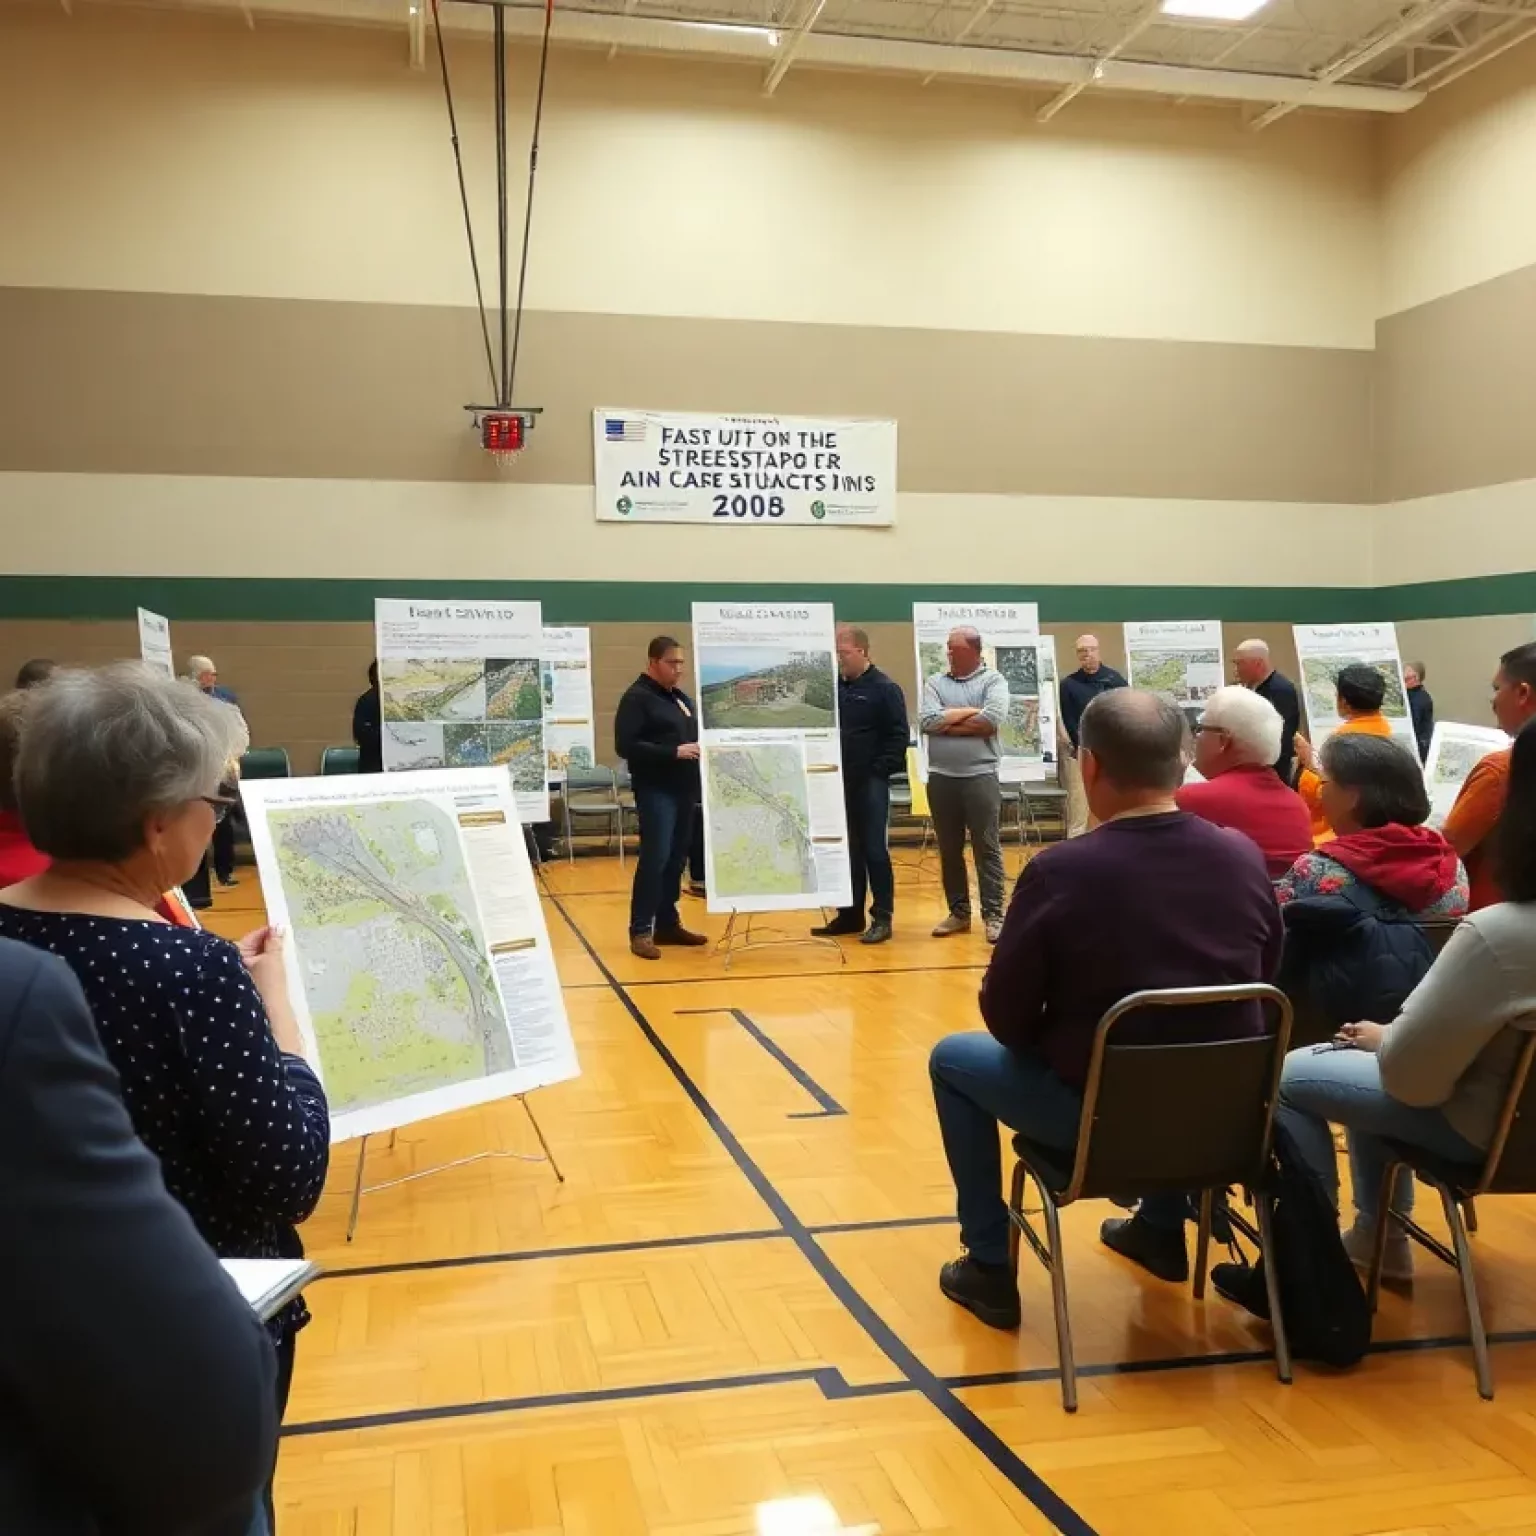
{"points": [[1235, 745], [656, 731]]}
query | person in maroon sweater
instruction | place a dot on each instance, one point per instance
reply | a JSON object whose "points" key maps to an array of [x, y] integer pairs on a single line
{"points": [[1154, 897], [1235, 746]]}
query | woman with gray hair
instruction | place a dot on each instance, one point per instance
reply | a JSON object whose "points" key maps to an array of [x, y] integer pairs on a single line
{"points": [[121, 776]]}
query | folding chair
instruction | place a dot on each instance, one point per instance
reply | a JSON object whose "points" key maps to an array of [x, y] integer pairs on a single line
{"points": [[593, 792], [1159, 1119]]}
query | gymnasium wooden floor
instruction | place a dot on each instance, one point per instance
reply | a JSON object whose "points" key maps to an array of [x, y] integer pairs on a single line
{"points": [[730, 1304]]}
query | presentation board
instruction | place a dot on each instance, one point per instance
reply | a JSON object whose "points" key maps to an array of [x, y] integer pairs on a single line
{"points": [[418, 961], [1180, 659], [155, 642], [461, 686], [743, 471], [570, 732], [1324, 650], [1050, 709], [1454, 751], [1010, 643], [776, 828]]}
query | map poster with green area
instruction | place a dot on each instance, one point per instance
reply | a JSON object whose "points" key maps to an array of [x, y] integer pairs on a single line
{"points": [[1179, 659], [775, 822], [1454, 751], [570, 732], [461, 685], [1324, 650], [1011, 643], [418, 960]]}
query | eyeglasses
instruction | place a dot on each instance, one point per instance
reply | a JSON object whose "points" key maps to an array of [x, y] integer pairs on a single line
{"points": [[1215, 730], [222, 803]]}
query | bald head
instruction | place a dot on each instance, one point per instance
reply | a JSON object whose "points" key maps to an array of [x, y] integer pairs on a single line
{"points": [[1088, 653], [1250, 661], [964, 648], [1136, 740]]}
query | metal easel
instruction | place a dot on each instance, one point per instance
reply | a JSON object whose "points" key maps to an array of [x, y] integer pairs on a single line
{"points": [[741, 937], [359, 1189]]}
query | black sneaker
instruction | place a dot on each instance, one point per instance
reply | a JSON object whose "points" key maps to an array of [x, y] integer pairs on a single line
{"points": [[1243, 1285], [1159, 1253], [229, 882], [989, 1292], [879, 932], [838, 928]]}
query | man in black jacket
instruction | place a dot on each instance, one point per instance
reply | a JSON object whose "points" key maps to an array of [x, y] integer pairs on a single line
{"points": [[656, 731], [872, 719], [136, 1386], [1256, 671], [1420, 706]]}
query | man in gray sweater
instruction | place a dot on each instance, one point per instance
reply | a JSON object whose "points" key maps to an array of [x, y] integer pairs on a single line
{"points": [[961, 713]]}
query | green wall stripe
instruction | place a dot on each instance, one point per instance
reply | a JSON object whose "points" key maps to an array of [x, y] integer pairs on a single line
{"points": [[257, 599]]}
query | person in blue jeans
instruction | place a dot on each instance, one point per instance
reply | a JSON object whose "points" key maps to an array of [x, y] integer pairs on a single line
{"points": [[1153, 897], [656, 731]]}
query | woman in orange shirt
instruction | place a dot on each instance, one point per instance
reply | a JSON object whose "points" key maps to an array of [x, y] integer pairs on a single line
{"points": [[1361, 690]]}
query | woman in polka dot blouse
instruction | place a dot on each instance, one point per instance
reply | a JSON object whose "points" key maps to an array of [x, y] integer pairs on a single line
{"points": [[121, 777]]}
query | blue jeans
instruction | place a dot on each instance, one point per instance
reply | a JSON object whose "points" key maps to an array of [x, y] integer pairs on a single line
{"points": [[978, 1082], [666, 831], [1344, 1088], [868, 802]]}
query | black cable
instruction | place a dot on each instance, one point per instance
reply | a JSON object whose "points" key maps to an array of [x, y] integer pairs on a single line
{"points": [[499, 33], [533, 171], [458, 161]]}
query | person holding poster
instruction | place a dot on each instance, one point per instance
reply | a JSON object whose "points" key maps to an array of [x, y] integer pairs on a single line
{"points": [[962, 711], [872, 718], [656, 731]]}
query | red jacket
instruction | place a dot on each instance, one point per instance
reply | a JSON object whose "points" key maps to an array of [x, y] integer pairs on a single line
{"points": [[19, 860], [1251, 799]]}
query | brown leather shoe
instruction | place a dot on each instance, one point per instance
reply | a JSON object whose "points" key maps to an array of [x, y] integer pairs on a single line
{"points": [[679, 935], [644, 945]]}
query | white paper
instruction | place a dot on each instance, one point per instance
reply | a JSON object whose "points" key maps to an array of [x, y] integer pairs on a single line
{"points": [[1178, 659], [1050, 717], [570, 733], [155, 642], [743, 471], [1010, 644], [419, 964], [1454, 751], [268, 1285], [460, 686], [1325, 649], [776, 826]]}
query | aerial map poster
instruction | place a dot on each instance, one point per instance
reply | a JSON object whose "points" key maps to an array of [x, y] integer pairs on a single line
{"points": [[1324, 650], [155, 642], [776, 831], [1454, 751], [1011, 643], [461, 685], [1177, 658], [418, 961], [570, 738]]}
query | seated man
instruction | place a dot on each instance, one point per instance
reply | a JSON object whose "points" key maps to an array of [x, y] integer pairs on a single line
{"points": [[1361, 690], [1236, 743], [1154, 897]]}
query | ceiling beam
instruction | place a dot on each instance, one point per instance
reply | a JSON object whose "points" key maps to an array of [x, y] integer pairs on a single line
{"points": [[1149, 14], [971, 23], [790, 46]]}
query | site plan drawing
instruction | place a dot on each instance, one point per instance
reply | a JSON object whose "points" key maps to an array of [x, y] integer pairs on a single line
{"points": [[1324, 650], [565, 691], [760, 820], [1454, 751], [1179, 659]]}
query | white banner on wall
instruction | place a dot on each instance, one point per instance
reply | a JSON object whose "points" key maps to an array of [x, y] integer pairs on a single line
{"points": [[776, 829], [1324, 650], [461, 686], [155, 642], [570, 738], [419, 963], [741, 471], [1454, 751], [1180, 659], [1011, 643]]}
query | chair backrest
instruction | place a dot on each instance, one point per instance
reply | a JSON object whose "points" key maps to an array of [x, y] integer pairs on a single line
{"points": [[339, 760], [266, 763], [1511, 1164], [590, 781], [1438, 930], [1192, 1115]]}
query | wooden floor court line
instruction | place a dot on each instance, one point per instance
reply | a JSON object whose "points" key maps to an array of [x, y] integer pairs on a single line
{"points": [[960, 1415], [740, 976], [825, 1103]]}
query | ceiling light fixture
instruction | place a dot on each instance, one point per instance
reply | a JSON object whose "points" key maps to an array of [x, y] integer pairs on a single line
{"points": [[1213, 10], [725, 26]]}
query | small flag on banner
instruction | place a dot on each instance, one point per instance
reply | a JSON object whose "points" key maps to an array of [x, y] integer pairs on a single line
{"points": [[619, 430]]}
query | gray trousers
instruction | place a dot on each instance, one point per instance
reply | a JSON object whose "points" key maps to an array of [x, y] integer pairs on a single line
{"points": [[971, 805]]}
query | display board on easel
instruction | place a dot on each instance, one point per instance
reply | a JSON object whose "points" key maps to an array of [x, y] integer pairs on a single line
{"points": [[1324, 650], [155, 642]]}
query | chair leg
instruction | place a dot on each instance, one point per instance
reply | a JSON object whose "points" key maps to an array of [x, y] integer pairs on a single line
{"points": [[1059, 1300], [1455, 1221], [1015, 1203], [1264, 1210], [1379, 1238], [1203, 1242], [1469, 1210]]}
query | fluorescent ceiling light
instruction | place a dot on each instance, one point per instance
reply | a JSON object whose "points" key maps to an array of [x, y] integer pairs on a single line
{"points": [[741, 31], [1214, 10]]}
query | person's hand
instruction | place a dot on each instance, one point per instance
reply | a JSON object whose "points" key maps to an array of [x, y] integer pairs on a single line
{"points": [[1363, 1036], [1304, 753], [262, 953], [688, 752]]}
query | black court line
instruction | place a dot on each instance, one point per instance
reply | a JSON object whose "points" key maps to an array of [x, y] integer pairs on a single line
{"points": [[848, 974], [826, 1104], [970, 1424]]}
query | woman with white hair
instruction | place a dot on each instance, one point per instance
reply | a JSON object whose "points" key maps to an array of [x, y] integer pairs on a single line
{"points": [[121, 776], [1236, 743]]}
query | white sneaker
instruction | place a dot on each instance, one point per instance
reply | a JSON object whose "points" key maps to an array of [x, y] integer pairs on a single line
{"points": [[1397, 1262]]}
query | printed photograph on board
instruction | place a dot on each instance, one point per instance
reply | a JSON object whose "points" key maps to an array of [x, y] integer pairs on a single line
{"points": [[763, 687]]}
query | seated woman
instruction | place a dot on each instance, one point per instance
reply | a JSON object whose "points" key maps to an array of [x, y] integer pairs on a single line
{"points": [[120, 776], [1436, 1076]]}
